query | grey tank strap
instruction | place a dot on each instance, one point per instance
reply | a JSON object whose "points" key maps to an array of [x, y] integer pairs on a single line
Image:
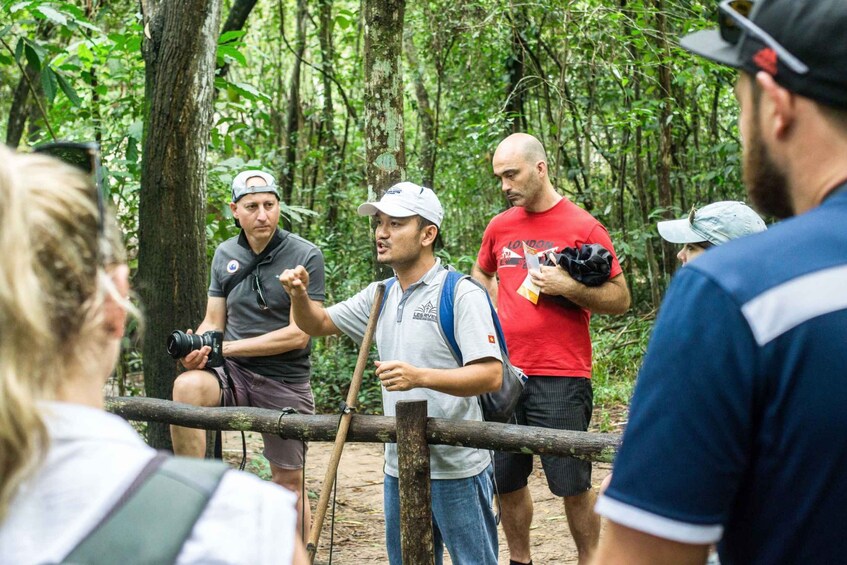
{"points": [[151, 524]]}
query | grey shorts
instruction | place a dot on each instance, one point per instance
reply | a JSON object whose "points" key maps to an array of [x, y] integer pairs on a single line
{"points": [[562, 403], [252, 389]]}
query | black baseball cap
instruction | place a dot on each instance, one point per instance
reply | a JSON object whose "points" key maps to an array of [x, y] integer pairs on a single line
{"points": [[801, 43]]}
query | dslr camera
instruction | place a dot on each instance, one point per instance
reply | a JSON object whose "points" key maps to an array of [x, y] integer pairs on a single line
{"points": [[181, 344]]}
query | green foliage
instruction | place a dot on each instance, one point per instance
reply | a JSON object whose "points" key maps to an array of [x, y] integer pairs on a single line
{"points": [[333, 364], [603, 85]]}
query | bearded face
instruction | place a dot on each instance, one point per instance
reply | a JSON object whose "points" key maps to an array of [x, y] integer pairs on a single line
{"points": [[767, 184]]}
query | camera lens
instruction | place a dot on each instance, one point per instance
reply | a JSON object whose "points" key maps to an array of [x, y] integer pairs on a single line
{"points": [[181, 344]]}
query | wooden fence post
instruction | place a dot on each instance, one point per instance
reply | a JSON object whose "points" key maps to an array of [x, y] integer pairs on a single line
{"points": [[415, 493]]}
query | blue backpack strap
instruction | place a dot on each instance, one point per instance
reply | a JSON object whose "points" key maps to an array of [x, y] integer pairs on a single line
{"points": [[388, 284], [446, 319], [498, 329]]}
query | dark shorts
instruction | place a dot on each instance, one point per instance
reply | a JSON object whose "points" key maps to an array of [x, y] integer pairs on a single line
{"points": [[254, 390], [562, 403]]}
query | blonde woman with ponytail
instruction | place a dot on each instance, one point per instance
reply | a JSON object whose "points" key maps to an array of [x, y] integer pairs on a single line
{"points": [[64, 461]]}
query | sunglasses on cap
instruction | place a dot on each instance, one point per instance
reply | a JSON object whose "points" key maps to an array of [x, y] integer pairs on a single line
{"points": [[733, 19], [86, 157]]}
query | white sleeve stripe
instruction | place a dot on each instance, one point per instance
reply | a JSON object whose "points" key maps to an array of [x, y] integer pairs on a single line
{"points": [[792, 303], [653, 524]]}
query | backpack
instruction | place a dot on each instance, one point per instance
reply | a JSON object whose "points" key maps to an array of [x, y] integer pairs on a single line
{"points": [[498, 406], [154, 517]]}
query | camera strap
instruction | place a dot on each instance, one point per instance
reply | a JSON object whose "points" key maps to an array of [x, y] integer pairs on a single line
{"points": [[235, 280]]}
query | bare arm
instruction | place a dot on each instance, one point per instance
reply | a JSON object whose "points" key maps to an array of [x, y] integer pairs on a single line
{"points": [[488, 280], [620, 545], [611, 297], [278, 341], [310, 315], [215, 320], [477, 377]]}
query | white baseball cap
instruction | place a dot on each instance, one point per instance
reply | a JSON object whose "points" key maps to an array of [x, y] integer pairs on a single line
{"points": [[716, 223], [406, 199], [240, 188]]}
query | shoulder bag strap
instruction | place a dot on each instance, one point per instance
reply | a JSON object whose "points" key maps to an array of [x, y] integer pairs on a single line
{"points": [[151, 522], [234, 281]]}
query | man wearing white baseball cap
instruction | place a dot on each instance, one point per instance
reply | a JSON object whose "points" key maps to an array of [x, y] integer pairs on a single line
{"points": [[266, 360], [709, 226], [417, 364]]}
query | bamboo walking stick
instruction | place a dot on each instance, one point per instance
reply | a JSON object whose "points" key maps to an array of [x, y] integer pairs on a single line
{"points": [[344, 425]]}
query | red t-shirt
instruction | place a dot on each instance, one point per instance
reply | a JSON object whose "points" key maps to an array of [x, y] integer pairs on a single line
{"points": [[547, 338]]}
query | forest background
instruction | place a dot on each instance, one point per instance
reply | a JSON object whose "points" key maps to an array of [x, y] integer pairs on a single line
{"points": [[341, 98]]}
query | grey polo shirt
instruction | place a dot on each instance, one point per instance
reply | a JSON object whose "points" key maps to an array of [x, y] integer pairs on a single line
{"points": [[244, 317], [408, 331]]}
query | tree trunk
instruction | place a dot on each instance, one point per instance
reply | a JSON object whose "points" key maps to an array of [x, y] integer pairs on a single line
{"points": [[515, 91], [666, 135], [426, 117], [19, 110], [292, 121], [179, 53], [385, 146], [334, 164]]}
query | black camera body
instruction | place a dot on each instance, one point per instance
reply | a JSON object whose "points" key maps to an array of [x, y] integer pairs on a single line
{"points": [[181, 344]]}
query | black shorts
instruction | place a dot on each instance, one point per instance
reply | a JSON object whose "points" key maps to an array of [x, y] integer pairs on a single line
{"points": [[562, 403]]}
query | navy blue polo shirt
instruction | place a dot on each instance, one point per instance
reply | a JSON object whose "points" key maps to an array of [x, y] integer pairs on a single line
{"points": [[738, 424]]}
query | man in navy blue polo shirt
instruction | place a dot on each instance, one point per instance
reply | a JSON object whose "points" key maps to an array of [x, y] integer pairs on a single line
{"points": [[738, 433]]}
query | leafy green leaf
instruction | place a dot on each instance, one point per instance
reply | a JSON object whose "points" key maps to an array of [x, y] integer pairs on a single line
{"points": [[231, 36], [52, 15], [48, 83], [32, 56], [68, 90], [232, 53]]}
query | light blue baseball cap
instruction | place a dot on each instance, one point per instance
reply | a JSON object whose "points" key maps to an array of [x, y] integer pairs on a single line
{"points": [[716, 223]]}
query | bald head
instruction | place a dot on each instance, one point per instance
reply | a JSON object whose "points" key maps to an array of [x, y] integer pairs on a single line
{"points": [[523, 146], [520, 163]]}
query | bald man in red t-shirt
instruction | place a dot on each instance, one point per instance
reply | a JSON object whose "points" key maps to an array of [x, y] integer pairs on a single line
{"points": [[549, 340]]}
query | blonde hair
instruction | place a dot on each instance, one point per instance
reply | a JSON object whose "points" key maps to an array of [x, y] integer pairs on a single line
{"points": [[52, 291]]}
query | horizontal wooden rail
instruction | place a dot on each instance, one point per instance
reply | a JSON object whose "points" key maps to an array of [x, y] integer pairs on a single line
{"points": [[363, 428]]}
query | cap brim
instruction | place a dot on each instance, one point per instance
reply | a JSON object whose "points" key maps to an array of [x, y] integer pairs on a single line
{"points": [[709, 44], [393, 210], [678, 231]]}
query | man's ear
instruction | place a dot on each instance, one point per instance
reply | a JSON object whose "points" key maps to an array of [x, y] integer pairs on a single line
{"points": [[541, 169], [114, 316], [779, 103], [430, 232], [233, 208]]}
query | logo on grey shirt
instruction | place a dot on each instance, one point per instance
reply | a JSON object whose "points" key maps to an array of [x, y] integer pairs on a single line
{"points": [[426, 312]]}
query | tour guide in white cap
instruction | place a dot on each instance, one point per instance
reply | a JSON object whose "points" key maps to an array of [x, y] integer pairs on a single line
{"points": [[417, 364], [406, 199], [737, 432]]}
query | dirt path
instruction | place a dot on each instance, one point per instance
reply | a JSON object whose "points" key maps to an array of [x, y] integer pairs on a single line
{"points": [[359, 524]]}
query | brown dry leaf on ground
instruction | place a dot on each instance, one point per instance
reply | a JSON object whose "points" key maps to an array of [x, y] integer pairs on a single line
{"points": [[359, 529]]}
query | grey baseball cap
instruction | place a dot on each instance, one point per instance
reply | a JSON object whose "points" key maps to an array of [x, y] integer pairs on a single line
{"points": [[716, 223], [406, 199], [240, 188]]}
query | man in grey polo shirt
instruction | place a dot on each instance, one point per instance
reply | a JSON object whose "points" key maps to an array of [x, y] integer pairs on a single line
{"points": [[416, 364], [266, 356]]}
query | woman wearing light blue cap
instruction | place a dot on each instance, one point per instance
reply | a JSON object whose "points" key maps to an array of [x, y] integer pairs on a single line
{"points": [[711, 225]]}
